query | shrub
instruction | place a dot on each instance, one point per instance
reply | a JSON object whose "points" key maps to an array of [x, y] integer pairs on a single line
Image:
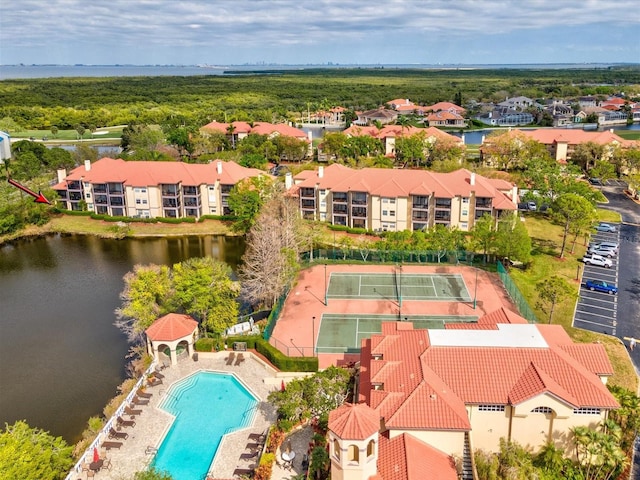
{"points": [[205, 345]]}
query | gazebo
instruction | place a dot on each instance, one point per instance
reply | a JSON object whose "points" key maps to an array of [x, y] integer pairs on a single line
{"points": [[170, 335]]}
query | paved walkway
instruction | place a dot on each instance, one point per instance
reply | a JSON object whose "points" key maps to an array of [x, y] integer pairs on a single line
{"points": [[153, 423]]}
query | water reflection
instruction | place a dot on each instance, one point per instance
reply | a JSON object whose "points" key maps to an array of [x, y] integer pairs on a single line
{"points": [[61, 355]]}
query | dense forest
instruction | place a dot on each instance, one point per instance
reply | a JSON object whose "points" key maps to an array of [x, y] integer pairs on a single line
{"points": [[283, 95]]}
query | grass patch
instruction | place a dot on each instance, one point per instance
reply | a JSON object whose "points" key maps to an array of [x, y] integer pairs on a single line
{"points": [[106, 133], [628, 134], [605, 215], [546, 239]]}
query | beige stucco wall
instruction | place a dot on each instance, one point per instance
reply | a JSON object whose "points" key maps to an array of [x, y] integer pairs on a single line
{"points": [[402, 214], [455, 212], [342, 468], [562, 149], [451, 442], [488, 427]]}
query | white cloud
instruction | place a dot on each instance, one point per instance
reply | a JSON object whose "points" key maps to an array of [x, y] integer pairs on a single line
{"points": [[227, 29]]}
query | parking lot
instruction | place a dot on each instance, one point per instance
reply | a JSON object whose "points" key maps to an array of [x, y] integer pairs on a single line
{"points": [[596, 311]]}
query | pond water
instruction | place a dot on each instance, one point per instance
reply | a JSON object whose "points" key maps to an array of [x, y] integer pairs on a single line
{"points": [[62, 358]]}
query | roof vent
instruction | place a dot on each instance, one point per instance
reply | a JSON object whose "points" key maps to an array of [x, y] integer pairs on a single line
{"points": [[433, 396]]}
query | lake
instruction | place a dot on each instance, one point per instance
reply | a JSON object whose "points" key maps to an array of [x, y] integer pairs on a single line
{"points": [[62, 358]]}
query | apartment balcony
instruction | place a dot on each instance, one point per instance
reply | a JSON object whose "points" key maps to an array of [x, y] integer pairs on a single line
{"points": [[116, 201], [339, 198], [483, 202], [192, 212], [420, 205], [171, 202], [340, 209], [358, 199], [99, 188], [307, 192], [443, 203], [358, 212], [340, 220], [442, 216], [74, 185], [75, 196], [420, 216], [192, 201], [481, 213], [100, 199], [193, 191], [308, 203], [115, 188]]}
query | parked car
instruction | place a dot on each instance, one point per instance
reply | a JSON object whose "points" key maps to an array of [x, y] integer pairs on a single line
{"points": [[601, 286], [597, 260], [615, 246], [601, 250], [605, 227], [595, 181], [532, 206]]}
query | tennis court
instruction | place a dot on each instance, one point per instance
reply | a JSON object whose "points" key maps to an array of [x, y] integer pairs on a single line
{"points": [[341, 333], [398, 286]]}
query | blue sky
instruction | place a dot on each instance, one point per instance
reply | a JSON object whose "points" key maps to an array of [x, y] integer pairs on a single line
{"points": [[225, 32]]}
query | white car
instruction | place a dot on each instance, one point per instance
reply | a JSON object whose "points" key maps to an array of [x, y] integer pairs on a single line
{"points": [[598, 260], [602, 250], [609, 245]]}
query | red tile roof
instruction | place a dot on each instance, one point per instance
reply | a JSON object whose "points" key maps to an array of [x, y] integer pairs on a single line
{"points": [[407, 458], [354, 421], [258, 128], [404, 182], [549, 136], [144, 174], [172, 326], [446, 106], [426, 385]]}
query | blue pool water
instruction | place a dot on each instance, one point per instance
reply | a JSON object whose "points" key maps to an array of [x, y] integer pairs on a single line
{"points": [[206, 406]]}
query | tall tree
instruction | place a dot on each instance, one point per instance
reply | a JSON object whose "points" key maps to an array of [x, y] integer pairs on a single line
{"points": [[551, 291], [246, 199], [586, 154], [203, 287], [32, 454], [484, 235], [512, 239], [571, 209]]}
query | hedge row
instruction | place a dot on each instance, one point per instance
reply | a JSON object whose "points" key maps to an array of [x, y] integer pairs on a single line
{"points": [[230, 218], [358, 231], [275, 356]]}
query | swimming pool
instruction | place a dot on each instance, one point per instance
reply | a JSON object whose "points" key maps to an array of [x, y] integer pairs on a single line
{"points": [[206, 405]]}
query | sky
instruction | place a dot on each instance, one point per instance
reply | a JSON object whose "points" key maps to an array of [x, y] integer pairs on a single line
{"points": [[293, 32]]}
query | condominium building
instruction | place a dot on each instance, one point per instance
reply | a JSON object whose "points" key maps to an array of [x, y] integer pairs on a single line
{"points": [[400, 199], [151, 189]]}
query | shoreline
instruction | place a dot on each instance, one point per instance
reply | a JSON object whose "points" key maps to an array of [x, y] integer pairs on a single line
{"points": [[72, 225]]}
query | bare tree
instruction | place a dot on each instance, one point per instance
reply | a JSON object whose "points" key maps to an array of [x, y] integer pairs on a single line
{"points": [[273, 248]]}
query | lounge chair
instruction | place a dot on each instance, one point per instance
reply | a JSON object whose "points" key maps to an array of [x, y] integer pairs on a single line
{"points": [[142, 394], [139, 401], [132, 411], [239, 472], [239, 360], [253, 446], [230, 358], [119, 435], [258, 437], [125, 423], [107, 445], [150, 450], [157, 374], [248, 456], [153, 381]]}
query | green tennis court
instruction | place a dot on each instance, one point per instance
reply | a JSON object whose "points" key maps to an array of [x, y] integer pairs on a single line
{"points": [[398, 286], [341, 333]]}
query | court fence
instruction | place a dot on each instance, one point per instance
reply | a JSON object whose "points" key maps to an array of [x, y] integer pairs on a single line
{"points": [[514, 292], [426, 257]]}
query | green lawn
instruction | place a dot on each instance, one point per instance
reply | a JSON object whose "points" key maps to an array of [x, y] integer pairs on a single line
{"points": [[106, 133], [628, 134]]}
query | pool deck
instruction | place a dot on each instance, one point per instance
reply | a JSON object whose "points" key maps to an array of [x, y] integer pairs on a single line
{"points": [[152, 424]]}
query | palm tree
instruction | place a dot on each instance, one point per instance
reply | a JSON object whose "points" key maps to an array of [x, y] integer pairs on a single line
{"points": [[230, 131]]}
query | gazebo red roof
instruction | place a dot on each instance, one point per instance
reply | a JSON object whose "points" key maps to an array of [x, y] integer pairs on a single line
{"points": [[172, 326]]}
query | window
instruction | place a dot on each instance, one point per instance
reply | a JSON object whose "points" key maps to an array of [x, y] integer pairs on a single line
{"points": [[336, 449], [385, 212], [371, 447], [87, 195], [465, 213], [392, 201], [385, 200], [144, 202], [542, 410], [138, 201], [586, 411], [323, 192], [465, 200], [392, 213], [491, 408], [353, 454]]}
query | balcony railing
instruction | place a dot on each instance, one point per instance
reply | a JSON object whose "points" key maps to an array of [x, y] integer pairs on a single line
{"points": [[74, 186], [359, 212], [307, 192], [340, 209], [443, 203], [420, 215], [99, 188], [339, 198], [483, 203], [308, 203], [190, 191]]}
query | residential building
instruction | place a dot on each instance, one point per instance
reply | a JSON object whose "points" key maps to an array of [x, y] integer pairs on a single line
{"points": [[389, 133], [444, 118], [236, 131], [405, 106], [440, 394], [505, 117], [519, 103], [605, 116], [400, 199], [446, 107], [561, 142], [151, 189], [588, 101], [381, 115]]}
